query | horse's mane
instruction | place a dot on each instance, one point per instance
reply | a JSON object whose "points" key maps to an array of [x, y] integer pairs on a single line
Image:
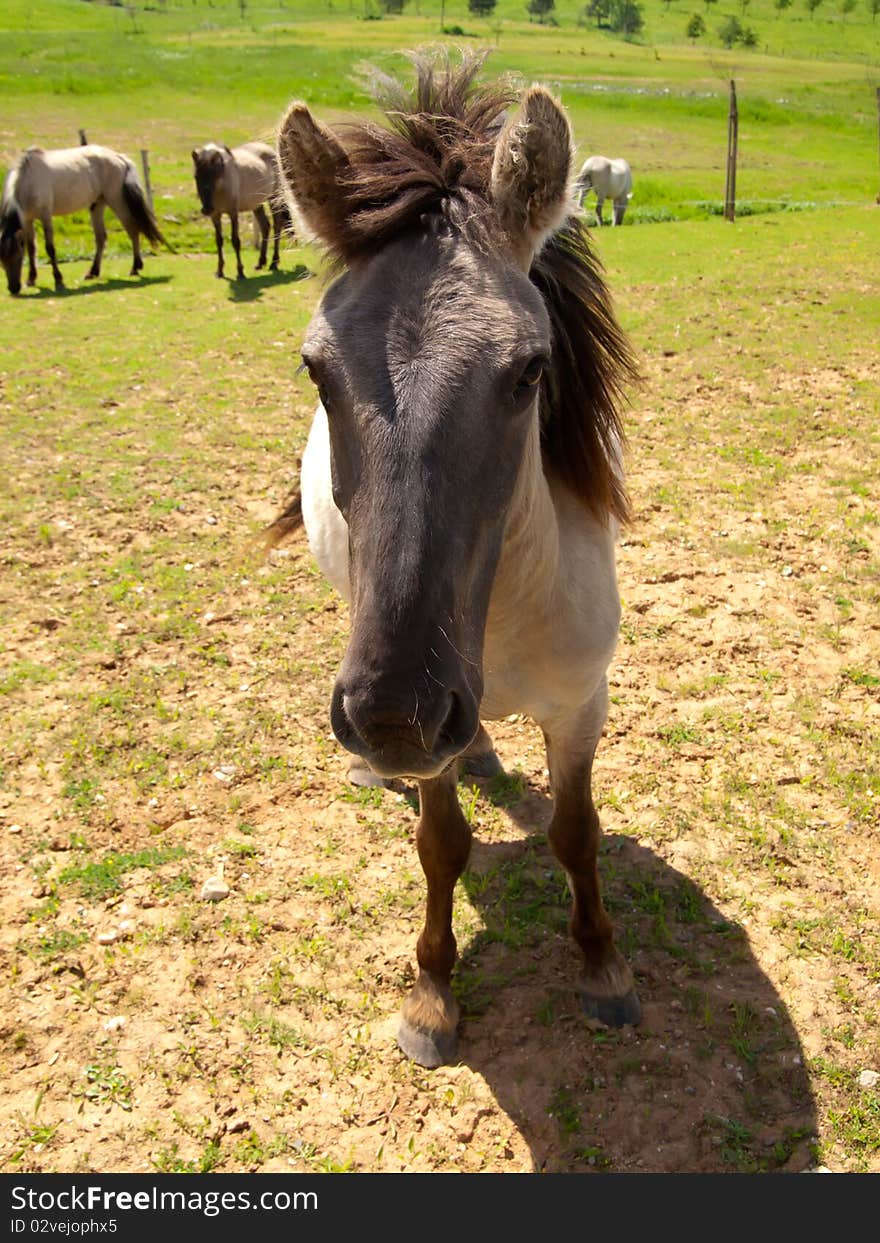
{"points": [[435, 156]]}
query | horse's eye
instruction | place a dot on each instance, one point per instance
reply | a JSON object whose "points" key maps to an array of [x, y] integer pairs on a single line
{"points": [[531, 375], [319, 385]]}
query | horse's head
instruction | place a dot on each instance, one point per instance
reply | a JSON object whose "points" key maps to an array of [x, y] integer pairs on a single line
{"points": [[208, 165], [427, 354], [12, 246]]}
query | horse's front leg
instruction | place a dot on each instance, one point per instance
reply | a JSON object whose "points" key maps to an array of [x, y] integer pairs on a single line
{"points": [[49, 237], [30, 238], [263, 221], [599, 204], [430, 1013], [218, 238], [236, 242], [606, 986]]}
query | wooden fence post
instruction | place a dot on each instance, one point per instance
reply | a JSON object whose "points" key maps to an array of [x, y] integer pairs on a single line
{"points": [[878, 125], [145, 162], [732, 132]]}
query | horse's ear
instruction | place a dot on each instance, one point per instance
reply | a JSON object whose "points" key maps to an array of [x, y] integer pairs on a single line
{"points": [[312, 161], [195, 155], [530, 173]]}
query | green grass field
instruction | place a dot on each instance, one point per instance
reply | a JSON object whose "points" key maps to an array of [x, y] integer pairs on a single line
{"points": [[164, 690], [170, 76]]}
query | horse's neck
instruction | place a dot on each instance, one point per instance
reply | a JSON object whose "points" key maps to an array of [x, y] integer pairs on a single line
{"points": [[529, 561]]}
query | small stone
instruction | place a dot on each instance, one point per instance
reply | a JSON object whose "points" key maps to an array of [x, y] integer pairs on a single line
{"points": [[869, 1079], [236, 1125], [786, 571], [107, 938], [214, 889], [126, 928], [14, 828], [116, 1023]]}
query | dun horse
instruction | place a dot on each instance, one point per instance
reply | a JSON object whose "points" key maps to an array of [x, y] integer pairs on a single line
{"points": [[610, 179], [44, 184], [461, 484], [240, 179]]}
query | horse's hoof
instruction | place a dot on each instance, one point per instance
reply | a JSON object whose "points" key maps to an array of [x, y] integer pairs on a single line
{"points": [[273, 267], [485, 765], [426, 1048], [91, 276], [613, 1011]]}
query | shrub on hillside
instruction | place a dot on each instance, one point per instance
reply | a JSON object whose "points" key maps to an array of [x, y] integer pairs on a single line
{"points": [[625, 17]]}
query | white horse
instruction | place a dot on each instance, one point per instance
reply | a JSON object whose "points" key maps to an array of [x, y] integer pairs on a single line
{"points": [[610, 179]]}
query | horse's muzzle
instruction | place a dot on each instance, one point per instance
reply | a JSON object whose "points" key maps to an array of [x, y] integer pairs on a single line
{"points": [[411, 737]]}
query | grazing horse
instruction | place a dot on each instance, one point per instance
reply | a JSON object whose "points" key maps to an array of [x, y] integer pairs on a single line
{"points": [[610, 179], [461, 485], [44, 184], [240, 179]]}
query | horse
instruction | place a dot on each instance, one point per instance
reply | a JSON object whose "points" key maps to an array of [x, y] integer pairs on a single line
{"points": [[462, 484], [44, 184], [238, 179], [611, 179]]}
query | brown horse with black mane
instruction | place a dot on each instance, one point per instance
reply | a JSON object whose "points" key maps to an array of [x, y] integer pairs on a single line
{"points": [[230, 180], [462, 483]]}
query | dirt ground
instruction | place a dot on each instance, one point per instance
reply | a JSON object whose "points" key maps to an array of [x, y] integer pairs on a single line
{"points": [[145, 1028]]}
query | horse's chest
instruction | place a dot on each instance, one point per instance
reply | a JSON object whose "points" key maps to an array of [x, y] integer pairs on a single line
{"points": [[549, 662]]}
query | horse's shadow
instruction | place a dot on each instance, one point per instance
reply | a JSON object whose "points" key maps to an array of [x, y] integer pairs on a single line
{"points": [[712, 1080], [250, 288], [100, 286]]}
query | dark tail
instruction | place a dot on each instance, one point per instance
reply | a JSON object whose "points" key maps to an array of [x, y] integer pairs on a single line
{"points": [[136, 202], [288, 522]]}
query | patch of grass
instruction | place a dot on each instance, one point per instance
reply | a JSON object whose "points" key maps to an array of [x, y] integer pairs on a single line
{"points": [[506, 789], [857, 1125], [274, 1031], [860, 677], [53, 943], [168, 1160], [565, 1111], [24, 673], [102, 878], [107, 1084]]}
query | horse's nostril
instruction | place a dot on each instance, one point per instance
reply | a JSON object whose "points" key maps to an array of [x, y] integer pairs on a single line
{"points": [[457, 728]]}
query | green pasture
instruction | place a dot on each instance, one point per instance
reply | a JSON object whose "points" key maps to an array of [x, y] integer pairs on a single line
{"points": [[168, 76]]}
